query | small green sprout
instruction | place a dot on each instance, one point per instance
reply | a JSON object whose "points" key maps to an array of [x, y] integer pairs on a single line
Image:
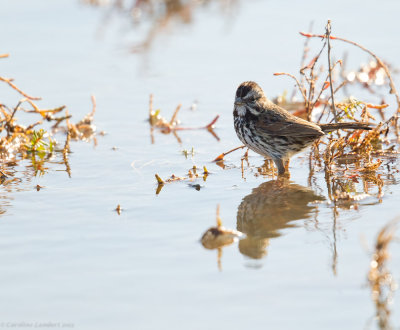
{"points": [[38, 144]]}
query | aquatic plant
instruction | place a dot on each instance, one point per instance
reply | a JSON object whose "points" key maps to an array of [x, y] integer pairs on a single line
{"points": [[36, 141], [157, 122]]}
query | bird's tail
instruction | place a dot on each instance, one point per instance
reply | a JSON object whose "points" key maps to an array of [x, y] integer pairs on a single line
{"points": [[333, 127]]}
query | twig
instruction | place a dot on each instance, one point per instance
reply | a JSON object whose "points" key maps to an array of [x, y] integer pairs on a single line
{"points": [[208, 126], [176, 136], [172, 121], [65, 152], [311, 81], [8, 81], [328, 33], [159, 180], [66, 148], [33, 125], [94, 106], [35, 107], [334, 92], [8, 123], [380, 62], [218, 218], [150, 105], [297, 82], [324, 87], [221, 156], [304, 57], [44, 111], [305, 48]]}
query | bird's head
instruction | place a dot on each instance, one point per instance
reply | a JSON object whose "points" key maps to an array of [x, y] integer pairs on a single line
{"points": [[248, 95]]}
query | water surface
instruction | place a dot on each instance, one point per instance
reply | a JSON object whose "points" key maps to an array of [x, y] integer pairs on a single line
{"points": [[68, 257]]}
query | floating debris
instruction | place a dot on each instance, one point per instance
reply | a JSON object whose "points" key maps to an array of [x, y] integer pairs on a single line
{"points": [[186, 153], [191, 176], [195, 186]]}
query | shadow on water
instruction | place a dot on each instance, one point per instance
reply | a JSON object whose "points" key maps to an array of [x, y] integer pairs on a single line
{"points": [[271, 207]]}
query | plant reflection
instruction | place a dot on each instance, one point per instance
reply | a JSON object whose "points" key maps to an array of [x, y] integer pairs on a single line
{"points": [[275, 204], [218, 237], [154, 15], [269, 208], [380, 279]]}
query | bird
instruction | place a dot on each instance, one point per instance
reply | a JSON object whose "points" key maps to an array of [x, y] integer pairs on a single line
{"points": [[272, 131]]}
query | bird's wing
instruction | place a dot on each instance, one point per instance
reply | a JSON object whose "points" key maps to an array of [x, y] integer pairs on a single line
{"points": [[281, 123]]}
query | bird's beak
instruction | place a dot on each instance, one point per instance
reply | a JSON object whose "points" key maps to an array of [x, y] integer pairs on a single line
{"points": [[239, 101]]}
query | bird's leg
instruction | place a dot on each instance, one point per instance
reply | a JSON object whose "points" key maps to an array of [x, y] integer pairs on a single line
{"points": [[287, 165], [279, 164], [283, 170]]}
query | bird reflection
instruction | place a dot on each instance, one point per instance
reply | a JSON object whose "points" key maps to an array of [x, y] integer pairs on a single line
{"points": [[270, 207]]}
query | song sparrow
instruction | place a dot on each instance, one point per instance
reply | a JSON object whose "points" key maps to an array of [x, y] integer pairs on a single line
{"points": [[273, 132]]}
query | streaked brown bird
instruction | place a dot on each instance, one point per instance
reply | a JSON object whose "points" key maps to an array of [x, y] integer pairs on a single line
{"points": [[273, 132]]}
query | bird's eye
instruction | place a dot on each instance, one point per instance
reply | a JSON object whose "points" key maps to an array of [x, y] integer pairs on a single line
{"points": [[251, 97]]}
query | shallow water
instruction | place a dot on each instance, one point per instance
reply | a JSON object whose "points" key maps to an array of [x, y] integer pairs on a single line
{"points": [[69, 258]]}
